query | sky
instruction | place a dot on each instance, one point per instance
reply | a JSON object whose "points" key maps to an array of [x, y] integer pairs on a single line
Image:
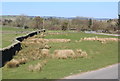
{"points": [[62, 9]]}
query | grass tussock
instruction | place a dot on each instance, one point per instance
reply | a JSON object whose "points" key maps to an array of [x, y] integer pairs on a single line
{"points": [[81, 54], [16, 62], [45, 52], [42, 35], [59, 40], [102, 40], [54, 33], [47, 47], [12, 64], [37, 67], [23, 60], [64, 54]]}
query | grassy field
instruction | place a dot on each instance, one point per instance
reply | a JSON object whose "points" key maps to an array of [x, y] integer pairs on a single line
{"points": [[9, 34], [0, 73], [99, 55]]}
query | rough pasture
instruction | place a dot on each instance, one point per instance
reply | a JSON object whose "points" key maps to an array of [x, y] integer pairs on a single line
{"points": [[96, 55]]}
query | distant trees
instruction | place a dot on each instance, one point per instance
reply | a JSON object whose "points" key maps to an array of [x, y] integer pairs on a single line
{"points": [[24, 21], [38, 22], [56, 23], [64, 26], [90, 23], [81, 24], [6, 22], [21, 21]]}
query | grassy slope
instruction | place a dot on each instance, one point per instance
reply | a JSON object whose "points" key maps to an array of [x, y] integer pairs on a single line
{"points": [[9, 35], [100, 55]]}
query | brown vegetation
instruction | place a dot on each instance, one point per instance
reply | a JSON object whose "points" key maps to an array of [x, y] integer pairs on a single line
{"points": [[58, 40], [45, 52], [64, 54], [37, 67], [12, 64], [52, 23], [102, 40]]}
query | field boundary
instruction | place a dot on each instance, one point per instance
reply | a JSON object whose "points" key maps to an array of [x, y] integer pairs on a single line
{"points": [[7, 53]]}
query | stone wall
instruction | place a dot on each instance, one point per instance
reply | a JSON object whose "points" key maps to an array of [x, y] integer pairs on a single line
{"points": [[7, 53]]}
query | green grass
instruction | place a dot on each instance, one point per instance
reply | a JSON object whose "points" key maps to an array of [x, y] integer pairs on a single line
{"points": [[7, 39], [0, 73], [7, 28], [77, 36], [9, 34], [99, 55]]}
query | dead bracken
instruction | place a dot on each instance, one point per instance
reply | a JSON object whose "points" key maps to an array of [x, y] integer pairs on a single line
{"points": [[64, 54], [37, 67], [102, 40]]}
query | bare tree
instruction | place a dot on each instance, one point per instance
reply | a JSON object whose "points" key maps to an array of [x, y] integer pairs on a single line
{"points": [[38, 22], [21, 21]]}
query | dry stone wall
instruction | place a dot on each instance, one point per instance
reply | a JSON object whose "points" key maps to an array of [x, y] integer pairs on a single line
{"points": [[7, 53]]}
